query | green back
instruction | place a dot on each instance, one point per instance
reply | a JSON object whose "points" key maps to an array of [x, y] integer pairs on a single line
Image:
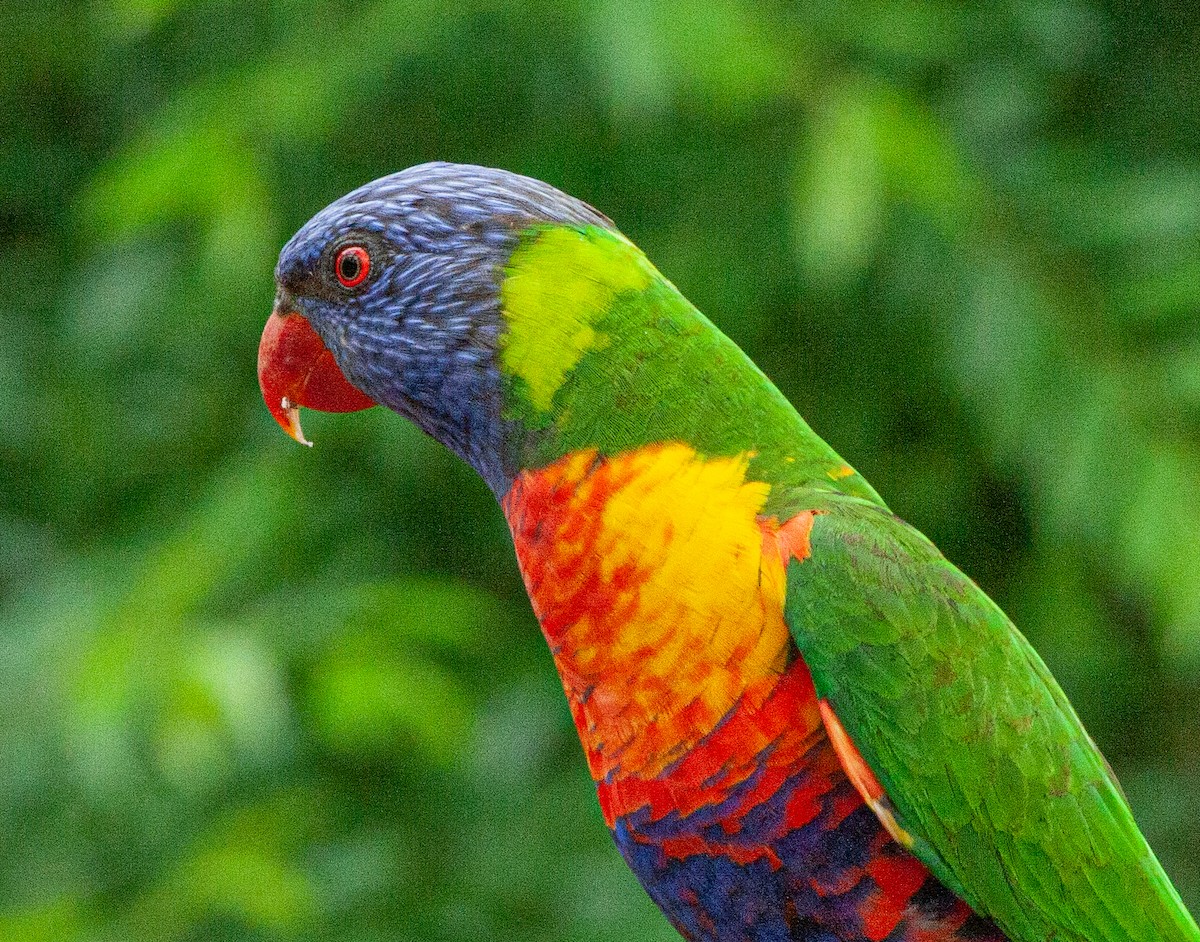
{"points": [[978, 749]]}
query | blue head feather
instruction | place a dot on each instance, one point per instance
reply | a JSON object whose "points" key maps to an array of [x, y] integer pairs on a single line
{"points": [[421, 335]]}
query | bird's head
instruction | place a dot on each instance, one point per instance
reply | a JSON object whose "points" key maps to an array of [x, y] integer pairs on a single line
{"points": [[392, 295]]}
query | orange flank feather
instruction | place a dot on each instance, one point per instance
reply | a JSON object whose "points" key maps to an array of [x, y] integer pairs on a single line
{"points": [[861, 776], [856, 767]]}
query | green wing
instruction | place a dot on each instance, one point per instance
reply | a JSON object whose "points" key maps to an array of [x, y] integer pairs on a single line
{"points": [[982, 757]]}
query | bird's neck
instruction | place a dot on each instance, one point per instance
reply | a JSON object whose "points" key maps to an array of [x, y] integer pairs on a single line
{"points": [[603, 353]]}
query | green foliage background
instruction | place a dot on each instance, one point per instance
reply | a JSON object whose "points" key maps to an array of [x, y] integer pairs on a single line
{"points": [[251, 691]]}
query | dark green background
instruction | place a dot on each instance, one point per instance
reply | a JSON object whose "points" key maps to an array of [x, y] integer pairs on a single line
{"points": [[252, 691]]}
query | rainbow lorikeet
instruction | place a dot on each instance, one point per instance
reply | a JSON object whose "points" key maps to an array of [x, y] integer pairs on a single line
{"points": [[802, 721]]}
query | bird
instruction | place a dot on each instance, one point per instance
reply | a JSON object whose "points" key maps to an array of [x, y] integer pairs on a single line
{"points": [[802, 721]]}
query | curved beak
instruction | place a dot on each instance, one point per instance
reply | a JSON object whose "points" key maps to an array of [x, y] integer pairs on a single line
{"points": [[296, 369]]}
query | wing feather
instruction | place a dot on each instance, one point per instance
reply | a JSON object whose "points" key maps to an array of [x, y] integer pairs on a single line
{"points": [[981, 756]]}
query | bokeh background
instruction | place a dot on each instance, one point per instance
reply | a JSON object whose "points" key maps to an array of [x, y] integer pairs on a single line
{"points": [[250, 691]]}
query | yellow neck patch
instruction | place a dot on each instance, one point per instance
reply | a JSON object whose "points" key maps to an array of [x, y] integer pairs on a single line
{"points": [[557, 286]]}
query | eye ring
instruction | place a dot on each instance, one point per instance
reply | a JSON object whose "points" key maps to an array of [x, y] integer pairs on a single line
{"points": [[352, 266]]}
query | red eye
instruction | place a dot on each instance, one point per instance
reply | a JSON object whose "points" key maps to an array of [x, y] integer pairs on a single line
{"points": [[352, 265]]}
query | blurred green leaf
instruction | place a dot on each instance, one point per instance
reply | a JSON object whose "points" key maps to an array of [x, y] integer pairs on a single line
{"points": [[841, 187]]}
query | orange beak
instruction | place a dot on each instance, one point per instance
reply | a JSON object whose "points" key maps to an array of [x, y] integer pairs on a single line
{"points": [[296, 369]]}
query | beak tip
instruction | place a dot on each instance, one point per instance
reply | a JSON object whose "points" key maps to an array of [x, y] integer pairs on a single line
{"points": [[289, 418]]}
